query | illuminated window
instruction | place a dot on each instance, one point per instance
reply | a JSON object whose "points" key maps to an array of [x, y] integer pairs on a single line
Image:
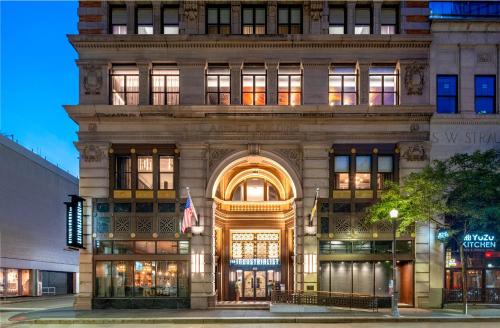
{"points": [[384, 170], [249, 245], [145, 247], [363, 172], [166, 172], [218, 88], [218, 20], [118, 20], [337, 20], [289, 85], [144, 172], [363, 20], [124, 85], [254, 20], [144, 20], [165, 85], [123, 172], [342, 85], [289, 20], [383, 85], [341, 169], [254, 85], [255, 190], [171, 20], [389, 20]]}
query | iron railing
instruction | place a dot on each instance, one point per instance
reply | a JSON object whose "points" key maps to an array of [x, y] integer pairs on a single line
{"points": [[474, 295]]}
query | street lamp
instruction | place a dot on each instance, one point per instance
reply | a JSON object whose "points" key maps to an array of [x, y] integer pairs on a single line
{"points": [[395, 294]]}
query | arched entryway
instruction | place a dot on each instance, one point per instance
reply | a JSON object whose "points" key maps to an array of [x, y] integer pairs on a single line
{"points": [[254, 217]]}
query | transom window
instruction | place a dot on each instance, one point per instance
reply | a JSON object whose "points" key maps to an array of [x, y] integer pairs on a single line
{"points": [[389, 20], [383, 85], [447, 89], [125, 85], [341, 171], [255, 190], [249, 245], [145, 172], [118, 20], [342, 85], [218, 20], [165, 85], [254, 20], [289, 20], [171, 20], [254, 85], [289, 85], [144, 20], [218, 89], [485, 94], [166, 173], [123, 172], [363, 20], [337, 20], [363, 172]]}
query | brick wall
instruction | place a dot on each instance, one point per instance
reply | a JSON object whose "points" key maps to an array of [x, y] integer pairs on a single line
{"points": [[415, 17], [92, 17]]}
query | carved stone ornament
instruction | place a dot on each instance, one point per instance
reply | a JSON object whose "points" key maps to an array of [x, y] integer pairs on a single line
{"points": [[414, 79], [92, 153], [191, 10], [483, 58], [293, 156], [216, 155], [415, 153], [315, 9], [92, 80]]}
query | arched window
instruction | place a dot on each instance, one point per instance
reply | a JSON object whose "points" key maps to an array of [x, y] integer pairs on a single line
{"points": [[255, 190]]}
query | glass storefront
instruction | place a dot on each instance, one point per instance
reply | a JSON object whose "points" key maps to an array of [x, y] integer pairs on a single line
{"points": [[15, 282]]}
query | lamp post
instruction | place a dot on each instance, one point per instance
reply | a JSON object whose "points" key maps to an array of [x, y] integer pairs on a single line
{"points": [[395, 294]]}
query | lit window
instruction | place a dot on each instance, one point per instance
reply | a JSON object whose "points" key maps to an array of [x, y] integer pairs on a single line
{"points": [[383, 85], [171, 20], [384, 171], [388, 20], [342, 85], [337, 20], [144, 172], [289, 85], [123, 172], [254, 20], [166, 171], [218, 88], [255, 190], [254, 85], [118, 20], [145, 247], [341, 169], [485, 94], [144, 20], [165, 85], [363, 21], [125, 86], [447, 94], [218, 20], [289, 20], [363, 175]]}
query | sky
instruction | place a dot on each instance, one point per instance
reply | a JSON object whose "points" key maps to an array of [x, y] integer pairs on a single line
{"points": [[38, 75]]}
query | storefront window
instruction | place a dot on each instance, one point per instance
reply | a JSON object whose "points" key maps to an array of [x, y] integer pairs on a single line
{"points": [[123, 279], [166, 279], [145, 247], [474, 279], [492, 278], [103, 279], [341, 277], [362, 275], [123, 247], [383, 273], [362, 247], [183, 247], [2, 289], [166, 247], [144, 278], [103, 247]]}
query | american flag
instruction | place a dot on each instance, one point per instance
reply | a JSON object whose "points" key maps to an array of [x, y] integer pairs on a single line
{"points": [[189, 213]]}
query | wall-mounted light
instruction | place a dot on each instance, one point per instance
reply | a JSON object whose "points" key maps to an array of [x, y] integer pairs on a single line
{"points": [[198, 263], [310, 263]]}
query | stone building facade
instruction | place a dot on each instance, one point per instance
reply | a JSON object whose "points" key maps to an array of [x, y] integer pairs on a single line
{"points": [[252, 105]]}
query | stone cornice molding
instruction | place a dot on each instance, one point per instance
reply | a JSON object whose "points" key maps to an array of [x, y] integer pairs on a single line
{"points": [[465, 119]]}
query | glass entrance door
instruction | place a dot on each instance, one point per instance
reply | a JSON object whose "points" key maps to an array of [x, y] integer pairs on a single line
{"points": [[254, 285]]}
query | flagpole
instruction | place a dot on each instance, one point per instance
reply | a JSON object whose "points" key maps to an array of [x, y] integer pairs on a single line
{"points": [[196, 216], [314, 206]]}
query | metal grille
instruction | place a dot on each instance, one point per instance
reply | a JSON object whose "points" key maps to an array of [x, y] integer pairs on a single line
{"points": [[167, 225], [144, 225], [342, 224], [122, 224]]}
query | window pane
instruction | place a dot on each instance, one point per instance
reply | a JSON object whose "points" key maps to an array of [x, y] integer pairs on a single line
{"points": [[144, 247], [260, 16], [212, 16], [166, 276], [283, 15], [166, 181], [362, 275], [166, 247], [260, 84], [363, 16], [145, 181], [170, 30], [385, 164], [388, 29], [383, 273], [295, 83], [341, 277], [295, 16], [283, 83], [225, 83], [144, 207], [350, 83], [166, 207], [388, 16], [145, 163], [341, 164], [212, 83], [225, 17], [485, 85], [350, 99], [335, 99], [375, 99], [363, 163], [144, 16], [119, 16], [446, 105], [363, 181], [103, 247], [389, 99], [255, 190], [123, 283], [337, 16], [103, 279], [122, 207], [247, 16], [447, 85], [144, 280], [389, 83], [341, 180], [485, 105], [171, 16], [375, 83], [295, 99], [166, 164], [335, 83], [132, 83], [183, 247], [336, 30], [123, 247]]}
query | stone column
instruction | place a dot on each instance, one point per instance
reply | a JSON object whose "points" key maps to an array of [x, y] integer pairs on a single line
{"points": [[192, 82], [272, 82], [143, 83], [364, 82], [315, 90], [351, 15], [467, 56], [157, 18], [131, 17], [377, 11], [235, 68]]}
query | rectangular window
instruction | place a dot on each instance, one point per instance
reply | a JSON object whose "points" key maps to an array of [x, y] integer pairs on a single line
{"points": [[289, 20], [123, 247], [383, 85], [145, 172], [363, 20], [385, 170], [342, 85], [123, 172], [103, 278], [389, 20], [124, 85], [165, 85], [218, 20], [447, 94], [144, 278], [341, 169], [103, 247], [123, 281], [254, 20], [145, 247], [218, 89], [118, 20], [485, 94], [337, 20], [253, 79], [363, 172], [171, 20], [289, 85], [166, 172], [144, 20], [166, 247]]}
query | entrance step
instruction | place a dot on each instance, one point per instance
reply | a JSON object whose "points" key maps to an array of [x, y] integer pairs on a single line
{"points": [[241, 305]]}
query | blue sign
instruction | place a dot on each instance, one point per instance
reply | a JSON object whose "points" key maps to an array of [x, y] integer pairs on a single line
{"points": [[443, 234], [74, 222]]}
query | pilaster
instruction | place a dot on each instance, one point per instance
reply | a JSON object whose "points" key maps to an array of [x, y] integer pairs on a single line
{"points": [[272, 16], [364, 82], [157, 18], [192, 82], [143, 83], [351, 14], [131, 5], [314, 86], [272, 82], [377, 10], [235, 68]]}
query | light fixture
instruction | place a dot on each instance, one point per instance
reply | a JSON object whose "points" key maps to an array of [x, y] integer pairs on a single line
{"points": [[310, 263], [310, 230], [198, 263], [393, 213]]}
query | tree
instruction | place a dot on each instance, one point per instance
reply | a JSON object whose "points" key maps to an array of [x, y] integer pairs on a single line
{"points": [[464, 188]]}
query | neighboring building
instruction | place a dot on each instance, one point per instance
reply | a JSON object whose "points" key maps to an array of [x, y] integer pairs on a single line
{"points": [[465, 67], [252, 105], [34, 259]]}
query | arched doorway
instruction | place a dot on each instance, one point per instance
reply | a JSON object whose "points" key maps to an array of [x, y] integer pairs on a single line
{"points": [[254, 227]]}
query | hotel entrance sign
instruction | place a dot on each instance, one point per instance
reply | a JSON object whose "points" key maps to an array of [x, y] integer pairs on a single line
{"points": [[74, 222], [479, 241], [254, 262]]}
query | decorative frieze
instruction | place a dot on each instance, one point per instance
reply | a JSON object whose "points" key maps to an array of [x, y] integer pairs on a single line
{"points": [[92, 80], [415, 153], [92, 153], [414, 79]]}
